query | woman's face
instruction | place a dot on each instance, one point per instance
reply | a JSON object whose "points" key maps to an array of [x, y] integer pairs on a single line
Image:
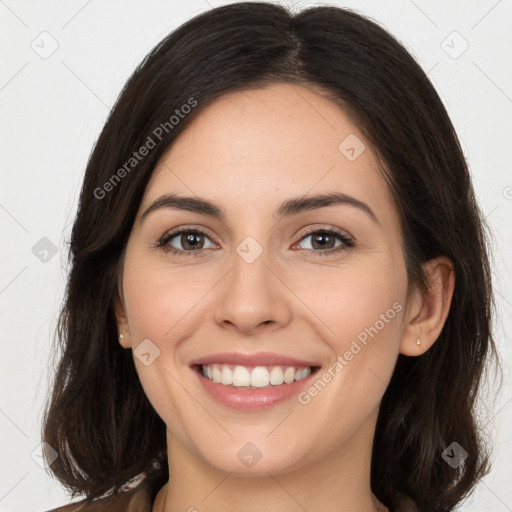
{"points": [[279, 280]]}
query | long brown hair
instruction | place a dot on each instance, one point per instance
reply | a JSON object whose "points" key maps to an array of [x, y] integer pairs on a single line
{"points": [[98, 418]]}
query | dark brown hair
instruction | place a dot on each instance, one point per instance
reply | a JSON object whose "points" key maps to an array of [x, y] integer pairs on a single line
{"points": [[98, 418]]}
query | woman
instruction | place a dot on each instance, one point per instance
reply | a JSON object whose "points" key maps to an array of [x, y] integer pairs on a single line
{"points": [[280, 294]]}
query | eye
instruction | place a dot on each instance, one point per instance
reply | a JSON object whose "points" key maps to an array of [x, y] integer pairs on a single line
{"points": [[326, 241], [189, 242]]}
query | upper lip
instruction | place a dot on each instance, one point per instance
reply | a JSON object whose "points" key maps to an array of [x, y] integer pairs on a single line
{"points": [[257, 359]]}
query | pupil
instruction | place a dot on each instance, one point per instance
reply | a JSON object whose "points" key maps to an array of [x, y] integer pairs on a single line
{"points": [[325, 239], [189, 241]]}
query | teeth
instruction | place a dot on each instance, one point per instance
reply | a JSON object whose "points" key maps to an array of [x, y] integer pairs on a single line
{"points": [[215, 374], [276, 376], [258, 377], [241, 376], [303, 374], [289, 375], [226, 376]]}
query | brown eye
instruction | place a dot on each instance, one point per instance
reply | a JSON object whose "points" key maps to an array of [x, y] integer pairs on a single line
{"points": [[323, 241], [327, 241], [191, 241], [185, 241]]}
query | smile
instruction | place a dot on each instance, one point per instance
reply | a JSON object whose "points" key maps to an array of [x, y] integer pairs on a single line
{"points": [[253, 377]]}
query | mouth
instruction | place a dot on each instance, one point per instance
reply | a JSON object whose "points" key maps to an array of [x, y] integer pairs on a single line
{"points": [[253, 377], [253, 382]]}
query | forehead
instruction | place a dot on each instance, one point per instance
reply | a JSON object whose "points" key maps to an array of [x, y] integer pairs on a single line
{"points": [[283, 140]]}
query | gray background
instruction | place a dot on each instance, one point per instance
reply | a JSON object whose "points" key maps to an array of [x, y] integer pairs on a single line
{"points": [[53, 105]]}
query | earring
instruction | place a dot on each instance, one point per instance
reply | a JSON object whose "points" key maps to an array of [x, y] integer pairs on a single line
{"points": [[418, 341], [121, 336]]}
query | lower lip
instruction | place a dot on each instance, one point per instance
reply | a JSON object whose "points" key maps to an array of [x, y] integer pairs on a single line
{"points": [[253, 399]]}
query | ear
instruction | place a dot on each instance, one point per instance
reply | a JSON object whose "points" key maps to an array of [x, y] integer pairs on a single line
{"points": [[122, 322], [427, 312]]}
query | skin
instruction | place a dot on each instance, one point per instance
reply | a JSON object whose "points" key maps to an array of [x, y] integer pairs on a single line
{"points": [[249, 152]]}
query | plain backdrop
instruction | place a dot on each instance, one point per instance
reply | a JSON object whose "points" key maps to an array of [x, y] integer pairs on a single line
{"points": [[63, 64]]}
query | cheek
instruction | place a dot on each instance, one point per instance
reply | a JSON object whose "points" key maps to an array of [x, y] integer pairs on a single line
{"points": [[362, 301], [160, 308], [363, 309], [160, 302]]}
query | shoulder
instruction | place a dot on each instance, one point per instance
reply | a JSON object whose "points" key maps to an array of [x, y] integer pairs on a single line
{"points": [[134, 500]]}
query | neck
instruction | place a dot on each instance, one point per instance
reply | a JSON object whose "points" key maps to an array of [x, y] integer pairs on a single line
{"points": [[335, 482]]}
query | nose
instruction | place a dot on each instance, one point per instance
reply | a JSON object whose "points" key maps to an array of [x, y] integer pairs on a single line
{"points": [[252, 297]]}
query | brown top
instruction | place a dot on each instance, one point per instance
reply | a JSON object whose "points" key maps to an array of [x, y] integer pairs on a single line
{"points": [[139, 500]]}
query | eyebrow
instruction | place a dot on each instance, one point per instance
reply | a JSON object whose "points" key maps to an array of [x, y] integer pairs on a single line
{"points": [[290, 207]]}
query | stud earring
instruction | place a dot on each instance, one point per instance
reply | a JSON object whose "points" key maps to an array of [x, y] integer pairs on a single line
{"points": [[418, 341], [121, 336]]}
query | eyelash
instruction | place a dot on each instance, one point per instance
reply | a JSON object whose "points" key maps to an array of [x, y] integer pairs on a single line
{"points": [[347, 243]]}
